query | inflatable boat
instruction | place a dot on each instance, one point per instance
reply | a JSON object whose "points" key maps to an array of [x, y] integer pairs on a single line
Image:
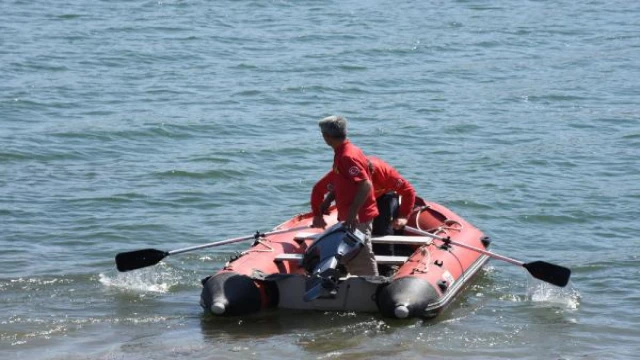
{"points": [[295, 266], [422, 268]]}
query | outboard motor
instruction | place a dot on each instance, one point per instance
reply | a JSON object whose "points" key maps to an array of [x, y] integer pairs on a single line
{"points": [[336, 246]]}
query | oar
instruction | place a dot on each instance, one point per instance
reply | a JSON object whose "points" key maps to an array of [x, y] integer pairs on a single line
{"points": [[146, 257], [551, 273]]}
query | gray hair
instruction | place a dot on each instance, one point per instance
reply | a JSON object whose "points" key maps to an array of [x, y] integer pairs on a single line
{"points": [[334, 126]]}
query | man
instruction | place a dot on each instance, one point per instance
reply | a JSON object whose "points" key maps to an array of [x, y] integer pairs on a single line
{"points": [[388, 186], [353, 191]]}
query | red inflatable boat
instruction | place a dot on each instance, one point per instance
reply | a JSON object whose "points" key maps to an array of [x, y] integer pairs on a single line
{"points": [[422, 269]]}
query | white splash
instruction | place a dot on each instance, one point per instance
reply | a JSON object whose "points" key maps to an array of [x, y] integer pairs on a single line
{"points": [[147, 280], [332, 354], [544, 293]]}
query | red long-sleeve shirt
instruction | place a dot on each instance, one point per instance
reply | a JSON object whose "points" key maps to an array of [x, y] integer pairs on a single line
{"points": [[350, 167], [385, 179]]}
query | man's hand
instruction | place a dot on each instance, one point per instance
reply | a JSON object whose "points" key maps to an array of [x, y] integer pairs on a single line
{"points": [[351, 222], [399, 223], [362, 191], [326, 204], [318, 222]]}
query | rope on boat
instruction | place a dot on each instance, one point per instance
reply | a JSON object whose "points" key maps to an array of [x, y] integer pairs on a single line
{"points": [[447, 224], [259, 241], [426, 260]]}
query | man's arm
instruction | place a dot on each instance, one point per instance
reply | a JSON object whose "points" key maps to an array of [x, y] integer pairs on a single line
{"points": [[408, 193], [318, 219], [362, 191], [317, 193], [326, 204], [408, 200]]}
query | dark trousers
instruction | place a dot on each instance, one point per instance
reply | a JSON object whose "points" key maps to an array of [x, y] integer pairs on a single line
{"points": [[388, 208], [382, 225]]}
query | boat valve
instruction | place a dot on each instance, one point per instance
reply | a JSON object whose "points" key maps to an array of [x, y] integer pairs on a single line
{"points": [[442, 284], [218, 308], [401, 311]]}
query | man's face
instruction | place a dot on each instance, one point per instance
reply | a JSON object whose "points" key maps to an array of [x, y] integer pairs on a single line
{"points": [[326, 139]]}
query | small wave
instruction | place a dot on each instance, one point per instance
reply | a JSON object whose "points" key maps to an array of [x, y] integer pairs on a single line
{"points": [[348, 67], [556, 98], [10, 156], [631, 136], [248, 93], [36, 154], [209, 159], [110, 199], [69, 16], [25, 337], [555, 219], [212, 174], [29, 284]]}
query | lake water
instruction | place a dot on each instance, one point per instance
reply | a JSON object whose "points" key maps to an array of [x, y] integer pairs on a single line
{"points": [[166, 124]]}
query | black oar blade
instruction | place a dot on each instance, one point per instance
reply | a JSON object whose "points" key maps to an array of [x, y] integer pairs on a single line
{"points": [[138, 259], [553, 274]]}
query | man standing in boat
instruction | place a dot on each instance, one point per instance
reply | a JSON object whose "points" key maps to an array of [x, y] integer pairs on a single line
{"points": [[353, 191], [395, 197]]}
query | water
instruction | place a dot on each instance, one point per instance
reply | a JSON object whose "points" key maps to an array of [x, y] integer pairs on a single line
{"points": [[135, 124]]}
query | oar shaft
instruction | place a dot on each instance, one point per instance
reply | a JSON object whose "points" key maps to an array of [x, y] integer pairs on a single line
{"points": [[230, 241], [482, 251], [553, 274]]}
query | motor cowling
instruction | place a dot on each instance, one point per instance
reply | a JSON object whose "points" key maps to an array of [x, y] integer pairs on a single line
{"points": [[336, 246]]}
